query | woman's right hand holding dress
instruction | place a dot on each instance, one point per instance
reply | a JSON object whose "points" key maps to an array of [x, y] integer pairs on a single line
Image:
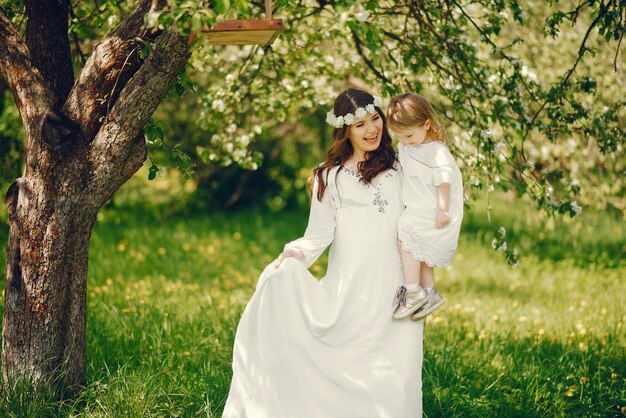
{"points": [[289, 252]]}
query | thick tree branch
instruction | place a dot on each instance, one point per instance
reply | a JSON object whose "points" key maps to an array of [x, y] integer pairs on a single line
{"points": [[118, 149], [113, 62], [24, 79], [48, 42]]}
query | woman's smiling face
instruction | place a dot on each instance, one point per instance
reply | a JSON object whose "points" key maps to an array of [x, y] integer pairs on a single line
{"points": [[365, 134]]}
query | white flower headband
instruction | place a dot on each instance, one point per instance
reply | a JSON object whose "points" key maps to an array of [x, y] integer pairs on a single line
{"points": [[349, 118]]}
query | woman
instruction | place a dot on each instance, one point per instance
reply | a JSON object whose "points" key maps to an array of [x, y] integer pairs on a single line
{"points": [[330, 348]]}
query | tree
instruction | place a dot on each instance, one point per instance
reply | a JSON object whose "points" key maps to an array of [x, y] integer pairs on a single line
{"points": [[531, 95], [83, 139]]}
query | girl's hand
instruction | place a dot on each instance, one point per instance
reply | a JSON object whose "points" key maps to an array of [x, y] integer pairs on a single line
{"points": [[442, 219], [290, 252]]}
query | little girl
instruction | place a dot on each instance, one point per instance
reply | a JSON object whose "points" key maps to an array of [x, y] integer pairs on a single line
{"points": [[432, 193]]}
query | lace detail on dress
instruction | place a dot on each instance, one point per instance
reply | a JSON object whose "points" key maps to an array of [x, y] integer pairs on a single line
{"points": [[422, 249]]}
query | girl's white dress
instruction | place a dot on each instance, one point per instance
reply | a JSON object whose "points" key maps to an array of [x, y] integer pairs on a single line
{"points": [[425, 167], [321, 349]]}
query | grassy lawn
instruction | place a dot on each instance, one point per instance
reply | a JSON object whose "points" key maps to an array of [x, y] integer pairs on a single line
{"points": [[164, 298]]}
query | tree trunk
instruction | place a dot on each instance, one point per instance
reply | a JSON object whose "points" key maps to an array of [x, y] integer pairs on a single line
{"points": [[51, 217], [44, 320], [79, 149]]}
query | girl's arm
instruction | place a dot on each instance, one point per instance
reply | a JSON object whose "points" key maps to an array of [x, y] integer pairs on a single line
{"points": [[319, 233], [442, 217], [443, 176]]}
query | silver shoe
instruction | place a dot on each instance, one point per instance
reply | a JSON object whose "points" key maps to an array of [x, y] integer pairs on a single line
{"points": [[435, 300], [408, 301]]}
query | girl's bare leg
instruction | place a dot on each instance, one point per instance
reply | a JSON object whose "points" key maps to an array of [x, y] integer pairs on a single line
{"points": [[410, 266], [427, 276], [411, 296]]}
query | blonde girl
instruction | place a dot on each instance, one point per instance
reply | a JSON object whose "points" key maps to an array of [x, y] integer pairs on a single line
{"points": [[432, 193]]}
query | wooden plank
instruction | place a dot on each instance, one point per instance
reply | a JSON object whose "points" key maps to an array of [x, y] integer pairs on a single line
{"points": [[242, 37], [249, 24], [244, 32]]}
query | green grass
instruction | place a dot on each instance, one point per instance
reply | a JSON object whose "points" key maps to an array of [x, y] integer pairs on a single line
{"points": [[164, 298]]}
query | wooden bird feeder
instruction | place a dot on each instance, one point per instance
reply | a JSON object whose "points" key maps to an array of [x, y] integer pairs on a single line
{"points": [[246, 31]]}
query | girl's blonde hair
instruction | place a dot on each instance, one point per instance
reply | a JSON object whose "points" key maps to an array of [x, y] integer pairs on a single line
{"points": [[410, 109]]}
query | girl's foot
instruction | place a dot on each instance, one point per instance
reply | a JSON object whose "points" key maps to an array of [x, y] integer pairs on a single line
{"points": [[408, 300], [434, 301]]}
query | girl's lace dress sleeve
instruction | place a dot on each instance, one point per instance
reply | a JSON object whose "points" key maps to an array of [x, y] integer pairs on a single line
{"points": [[321, 228]]}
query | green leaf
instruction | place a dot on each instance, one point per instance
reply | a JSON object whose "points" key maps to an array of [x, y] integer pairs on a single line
{"points": [[221, 6], [354, 27], [153, 172]]}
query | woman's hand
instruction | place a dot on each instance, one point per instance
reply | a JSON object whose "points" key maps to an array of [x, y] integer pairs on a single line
{"points": [[442, 219], [289, 252]]}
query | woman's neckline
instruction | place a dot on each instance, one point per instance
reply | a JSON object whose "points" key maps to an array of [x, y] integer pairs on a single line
{"points": [[379, 177]]}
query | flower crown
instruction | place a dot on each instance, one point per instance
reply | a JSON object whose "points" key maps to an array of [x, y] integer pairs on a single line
{"points": [[349, 118]]}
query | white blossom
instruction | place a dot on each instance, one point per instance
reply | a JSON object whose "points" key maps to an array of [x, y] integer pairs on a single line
{"points": [[576, 208], [362, 15], [112, 20], [360, 113], [348, 119], [527, 73], [218, 105], [244, 140]]}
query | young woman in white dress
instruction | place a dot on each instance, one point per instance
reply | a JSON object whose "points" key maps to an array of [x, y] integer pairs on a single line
{"points": [[321, 349], [432, 193]]}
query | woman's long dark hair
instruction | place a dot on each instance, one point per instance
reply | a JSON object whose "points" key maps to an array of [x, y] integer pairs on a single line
{"points": [[376, 162]]}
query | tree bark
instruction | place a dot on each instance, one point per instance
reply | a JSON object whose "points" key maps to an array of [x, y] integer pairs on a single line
{"points": [[79, 151]]}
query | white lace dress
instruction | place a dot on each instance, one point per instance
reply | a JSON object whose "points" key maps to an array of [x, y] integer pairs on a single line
{"points": [[425, 167], [321, 349]]}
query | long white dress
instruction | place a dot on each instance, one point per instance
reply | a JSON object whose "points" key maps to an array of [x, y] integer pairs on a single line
{"points": [[321, 349], [425, 167]]}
